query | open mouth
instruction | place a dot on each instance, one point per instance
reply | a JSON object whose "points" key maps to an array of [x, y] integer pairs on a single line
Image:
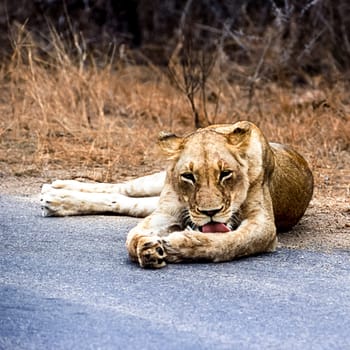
{"points": [[214, 227]]}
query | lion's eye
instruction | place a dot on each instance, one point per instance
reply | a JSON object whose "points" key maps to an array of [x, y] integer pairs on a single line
{"points": [[188, 177], [225, 174]]}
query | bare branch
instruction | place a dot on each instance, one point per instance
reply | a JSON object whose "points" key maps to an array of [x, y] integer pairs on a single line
{"points": [[189, 71]]}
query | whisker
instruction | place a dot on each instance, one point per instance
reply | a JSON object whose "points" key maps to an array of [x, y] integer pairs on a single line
{"points": [[186, 220], [235, 221]]}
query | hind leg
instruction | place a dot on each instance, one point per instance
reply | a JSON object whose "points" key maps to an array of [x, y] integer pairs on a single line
{"points": [[62, 202], [145, 186]]}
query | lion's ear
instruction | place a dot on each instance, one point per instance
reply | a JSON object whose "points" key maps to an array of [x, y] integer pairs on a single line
{"points": [[240, 133], [169, 143]]}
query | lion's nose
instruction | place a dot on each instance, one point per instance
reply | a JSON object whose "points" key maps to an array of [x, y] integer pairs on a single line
{"points": [[210, 212]]}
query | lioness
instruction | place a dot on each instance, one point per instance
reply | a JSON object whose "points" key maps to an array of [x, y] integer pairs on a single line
{"points": [[223, 196]]}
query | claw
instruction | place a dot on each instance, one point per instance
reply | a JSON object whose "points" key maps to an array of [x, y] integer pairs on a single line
{"points": [[151, 253]]}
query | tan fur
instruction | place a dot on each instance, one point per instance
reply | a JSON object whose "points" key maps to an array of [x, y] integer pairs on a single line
{"points": [[217, 173], [226, 174]]}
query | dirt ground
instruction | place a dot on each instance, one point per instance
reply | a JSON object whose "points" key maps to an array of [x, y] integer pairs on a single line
{"points": [[325, 226]]}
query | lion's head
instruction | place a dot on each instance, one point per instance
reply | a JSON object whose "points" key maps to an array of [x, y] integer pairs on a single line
{"points": [[212, 171]]}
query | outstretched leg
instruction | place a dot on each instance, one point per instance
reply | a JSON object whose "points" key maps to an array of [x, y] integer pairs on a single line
{"points": [[145, 186], [56, 202], [138, 197]]}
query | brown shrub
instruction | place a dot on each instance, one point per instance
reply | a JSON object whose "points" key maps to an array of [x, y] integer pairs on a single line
{"points": [[101, 120]]}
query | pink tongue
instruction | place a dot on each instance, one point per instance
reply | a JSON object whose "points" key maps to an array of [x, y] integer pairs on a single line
{"points": [[215, 227]]}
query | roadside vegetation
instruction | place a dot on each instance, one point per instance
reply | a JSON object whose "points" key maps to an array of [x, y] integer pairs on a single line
{"points": [[64, 109]]}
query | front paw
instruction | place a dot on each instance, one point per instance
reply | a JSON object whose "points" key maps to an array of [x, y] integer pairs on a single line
{"points": [[151, 253]]}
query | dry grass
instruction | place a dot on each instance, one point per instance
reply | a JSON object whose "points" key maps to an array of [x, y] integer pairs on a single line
{"points": [[101, 121]]}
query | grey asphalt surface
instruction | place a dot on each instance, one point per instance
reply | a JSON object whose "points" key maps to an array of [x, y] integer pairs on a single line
{"points": [[67, 283]]}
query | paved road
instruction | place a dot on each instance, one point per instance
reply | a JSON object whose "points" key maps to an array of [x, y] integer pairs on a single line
{"points": [[67, 283]]}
